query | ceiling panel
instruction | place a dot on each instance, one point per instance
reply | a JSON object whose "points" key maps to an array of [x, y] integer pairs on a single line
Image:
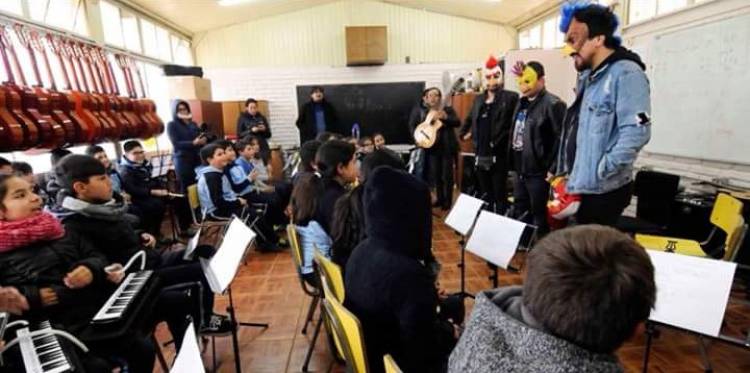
{"points": [[200, 15]]}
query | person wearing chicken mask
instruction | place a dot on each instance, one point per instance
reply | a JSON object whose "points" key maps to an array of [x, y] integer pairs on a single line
{"points": [[488, 125], [536, 126]]}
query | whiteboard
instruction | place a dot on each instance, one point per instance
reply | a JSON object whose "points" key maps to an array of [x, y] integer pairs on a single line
{"points": [[700, 83], [560, 74]]}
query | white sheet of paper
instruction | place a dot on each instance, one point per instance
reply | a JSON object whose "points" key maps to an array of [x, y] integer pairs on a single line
{"points": [[191, 245], [189, 359], [691, 292], [224, 263], [495, 238], [464, 213]]}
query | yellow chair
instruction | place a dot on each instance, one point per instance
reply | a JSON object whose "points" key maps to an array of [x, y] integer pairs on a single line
{"points": [[348, 330], [390, 364], [726, 216], [193, 201], [297, 258], [330, 273]]}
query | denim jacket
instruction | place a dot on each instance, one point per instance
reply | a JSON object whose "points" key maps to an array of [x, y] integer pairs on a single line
{"points": [[614, 124], [311, 236]]}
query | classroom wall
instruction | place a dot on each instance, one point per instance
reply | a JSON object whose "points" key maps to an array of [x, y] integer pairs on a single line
{"points": [[278, 86], [638, 35], [315, 37]]}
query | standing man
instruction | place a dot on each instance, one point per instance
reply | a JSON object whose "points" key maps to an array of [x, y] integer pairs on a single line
{"points": [[614, 115], [252, 123], [316, 116], [437, 168], [488, 125], [536, 126]]}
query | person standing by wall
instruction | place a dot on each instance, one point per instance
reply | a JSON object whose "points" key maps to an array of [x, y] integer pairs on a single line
{"points": [[316, 116], [253, 123], [614, 116]]}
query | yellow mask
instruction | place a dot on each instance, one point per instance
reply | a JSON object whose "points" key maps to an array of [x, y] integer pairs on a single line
{"points": [[527, 81]]}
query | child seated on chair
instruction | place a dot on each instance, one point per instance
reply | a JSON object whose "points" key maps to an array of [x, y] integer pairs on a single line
{"points": [[220, 202], [586, 291], [243, 175]]}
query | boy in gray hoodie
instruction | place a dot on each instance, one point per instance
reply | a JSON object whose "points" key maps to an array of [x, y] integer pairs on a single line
{"points": [[586, 291]]}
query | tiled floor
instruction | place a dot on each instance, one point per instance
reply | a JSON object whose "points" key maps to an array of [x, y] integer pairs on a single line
{"points": [[267, 290]]}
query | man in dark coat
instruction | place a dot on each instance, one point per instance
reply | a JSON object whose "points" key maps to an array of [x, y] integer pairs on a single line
{"points": [[389, 285], [488, 126], [252, 123], [316, 116], [437, 167]]}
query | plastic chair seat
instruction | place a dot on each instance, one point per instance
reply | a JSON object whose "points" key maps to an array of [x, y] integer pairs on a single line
{"points": [[671, 244]]}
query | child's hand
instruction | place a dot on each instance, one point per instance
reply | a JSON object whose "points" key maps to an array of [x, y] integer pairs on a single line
{"points": [[243, 202], [48, 296], [252, 175], [78, 278], [115, 273], [12, 301], [148, 240]]}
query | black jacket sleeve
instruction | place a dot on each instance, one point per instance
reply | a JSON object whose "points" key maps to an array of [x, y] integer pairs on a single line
{"points": [[302, 116], [425, 339], [224, 208], [451, 120], [469, 121], [242, 127], [415, 118], [266, 134], [557, 118], [506, 120], [132, 184]]}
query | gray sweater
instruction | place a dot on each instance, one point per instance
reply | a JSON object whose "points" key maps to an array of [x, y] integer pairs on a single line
{"points": [[501, 336]]}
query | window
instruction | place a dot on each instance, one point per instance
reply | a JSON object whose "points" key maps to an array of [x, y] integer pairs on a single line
{"points": [[523, 39], [65, 14], [559, 36], [163, 45], [181, 51], [535, 36], [130, 32], [11, 6], [111, 24], [148, 34], [549, 33], [666, 6]]}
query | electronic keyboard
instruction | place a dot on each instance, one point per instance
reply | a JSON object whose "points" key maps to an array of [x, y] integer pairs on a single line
{"points": [[120, 301], [43, 353]]}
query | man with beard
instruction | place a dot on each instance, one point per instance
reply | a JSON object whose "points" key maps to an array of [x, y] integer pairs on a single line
{"points": [[488, 125], [612, 112]]}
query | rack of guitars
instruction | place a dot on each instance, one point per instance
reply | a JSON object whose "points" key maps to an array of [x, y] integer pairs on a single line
{"points": [[87, 108]]}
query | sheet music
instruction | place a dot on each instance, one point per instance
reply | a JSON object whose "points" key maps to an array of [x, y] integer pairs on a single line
{"points": [[464, 213], [691, 292], [220, 270], [189, 359], [191, 245], [495, 238]]}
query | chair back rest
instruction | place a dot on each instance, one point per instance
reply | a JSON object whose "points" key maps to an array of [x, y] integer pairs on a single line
{"points": [[390, 364], [734, 242], [193, 200], [291, 232], [330, 275], [349, 331], [727, 214]]}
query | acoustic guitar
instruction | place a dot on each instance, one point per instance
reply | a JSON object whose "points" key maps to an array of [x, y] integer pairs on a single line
{"points": [[97, 102], [426, 132], [111, 106], [157, 126], [133, 127], [138, 106], [13, 99]]}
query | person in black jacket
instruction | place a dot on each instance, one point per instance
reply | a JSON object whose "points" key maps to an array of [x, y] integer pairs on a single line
{"points": [[537, 121], [316, 116], [488, 125], [187, 138], [389, 284], [146, 192], [252, 123], [337, 165], [437, 168], [90, 211], [60, 273]]}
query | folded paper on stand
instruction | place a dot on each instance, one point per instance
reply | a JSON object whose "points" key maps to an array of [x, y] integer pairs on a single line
{"points": [[220, 270], [191, 245], [691, 292], [189, 359], [464, 213], [495, 238]]}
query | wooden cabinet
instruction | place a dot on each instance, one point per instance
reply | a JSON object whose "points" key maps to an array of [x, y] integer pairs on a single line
{"points": [[208, 112], [366, 45], [462, 105], [231, 110]]}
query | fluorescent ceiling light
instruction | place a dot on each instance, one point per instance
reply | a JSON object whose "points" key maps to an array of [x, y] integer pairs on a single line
{"points": [[233, 2]]}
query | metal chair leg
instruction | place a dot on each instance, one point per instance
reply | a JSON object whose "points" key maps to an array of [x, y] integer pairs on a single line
{"points": [[310, 313], [312, 344]]}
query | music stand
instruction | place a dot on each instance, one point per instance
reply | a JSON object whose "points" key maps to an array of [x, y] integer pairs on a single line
{"points": [[188, 359], [461, 218], [692, 295], [220, 271], [496, 238]]}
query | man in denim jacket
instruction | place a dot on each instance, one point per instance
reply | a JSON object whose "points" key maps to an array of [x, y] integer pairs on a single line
{"points": [[613, 116]]}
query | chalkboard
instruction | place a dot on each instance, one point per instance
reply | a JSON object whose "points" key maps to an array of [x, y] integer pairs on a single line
{"points": [[377, 107]]}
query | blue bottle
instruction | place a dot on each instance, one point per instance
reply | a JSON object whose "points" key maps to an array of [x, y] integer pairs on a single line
{"points": [[355, 131]]}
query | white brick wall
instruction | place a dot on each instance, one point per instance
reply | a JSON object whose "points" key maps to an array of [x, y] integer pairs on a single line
{"points": [[278, 86]]}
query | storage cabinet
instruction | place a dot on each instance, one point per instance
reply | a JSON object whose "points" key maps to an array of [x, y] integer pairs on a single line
{"points": [[366, 45]]}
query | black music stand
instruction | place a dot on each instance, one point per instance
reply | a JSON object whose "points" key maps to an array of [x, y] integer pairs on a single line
{"points": [[220, 272], [462, 218]]}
